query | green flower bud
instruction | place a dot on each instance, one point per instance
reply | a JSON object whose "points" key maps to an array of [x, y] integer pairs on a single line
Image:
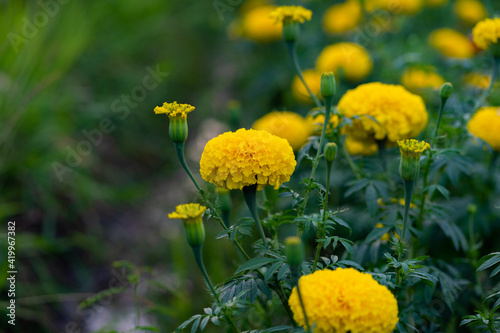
{"points": [[178, 129], [195, 233], [446, 90], [291, 31], [411, 150], [471, 209], [330, 151], [294, 251], [328, 84]]}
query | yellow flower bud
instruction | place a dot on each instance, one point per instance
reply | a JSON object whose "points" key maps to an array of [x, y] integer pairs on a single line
{"points": [[411, 150], [191, 215]]}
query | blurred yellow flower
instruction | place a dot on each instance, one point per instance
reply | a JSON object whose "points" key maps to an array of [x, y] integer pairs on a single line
{"points": [[247, 157], [399, 113], [291, 14], [257, 25], [342, 17], [408, 7], [478, 80], [313, 81], [344, 300], [287, 125], [366, 147], [486, 32], [416, 79], [452, 43], [485, 124], [401, 202], [188, 213], [352, 59], [470, 11], [316, 121], [174, 110]]}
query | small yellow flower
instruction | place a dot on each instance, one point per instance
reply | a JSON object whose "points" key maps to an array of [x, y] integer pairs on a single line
{"points": [[416, 79], [470, 11], [246, 157], [485, 124], [287, 125], [486, 33], [412, 148], [313, 81], [174, 110], [401, 202], [478, 80], [352, 59], [291, 14], [366, 147], [257, 26], [399, 113], [452, 43], [342, 17], [344, 300], [189, 213]]}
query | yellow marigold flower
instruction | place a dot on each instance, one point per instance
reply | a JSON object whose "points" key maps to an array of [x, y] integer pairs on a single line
{"points": [[408, 7], [366, 147], [399, 113], [470, 11], [352, 59], [174, 110], [435, 3], [256, 25], [485, 124], [317, 120], [478, 80], [313, 81], [416, 79], [291, 14], [342, 17], [486, 32], [452, 43], [247, 157], [287, 125], [189, 213], [344, 300], [412, 148]]}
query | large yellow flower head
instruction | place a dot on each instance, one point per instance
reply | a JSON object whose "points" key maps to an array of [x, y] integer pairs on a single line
{"points": [[355, 146], [291, 14], [287, 125], [257, 25], [352, 59], [470, 11], [485, 124], [174, 110], [189, 213], [416, 79], [344, 300], [452, 43], [477, 80], [313, 81], [435, 3], [399, 113], [486, 33], [408, 7], [234, 160], [342, 17]]}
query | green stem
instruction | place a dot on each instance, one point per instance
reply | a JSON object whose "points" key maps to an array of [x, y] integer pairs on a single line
{"points": [[408, 189], [291, 47], [179, 149], [425, 173], [486, 93], [316, 257], [308, 327], [250, 193], [350, 162], [197, 251], [441, 108]]}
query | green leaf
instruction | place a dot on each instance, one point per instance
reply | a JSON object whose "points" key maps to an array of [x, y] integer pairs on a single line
{"points": [[351, 264], [147, 328], [271, 270], [356, 186], [371, 199], [377, 233], [204, 323], [196, 323], [488, 261], [254, 264], [284, 270]]}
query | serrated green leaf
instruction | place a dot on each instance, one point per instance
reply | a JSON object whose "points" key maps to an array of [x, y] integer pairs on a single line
{"points": [[254, 263], [271, 270]]}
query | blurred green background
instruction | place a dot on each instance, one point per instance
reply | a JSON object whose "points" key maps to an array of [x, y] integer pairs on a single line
{"points": [[82, 199]]}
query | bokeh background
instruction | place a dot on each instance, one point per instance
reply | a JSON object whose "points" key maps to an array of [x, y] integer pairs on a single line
{"points": [[87, 170]]}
